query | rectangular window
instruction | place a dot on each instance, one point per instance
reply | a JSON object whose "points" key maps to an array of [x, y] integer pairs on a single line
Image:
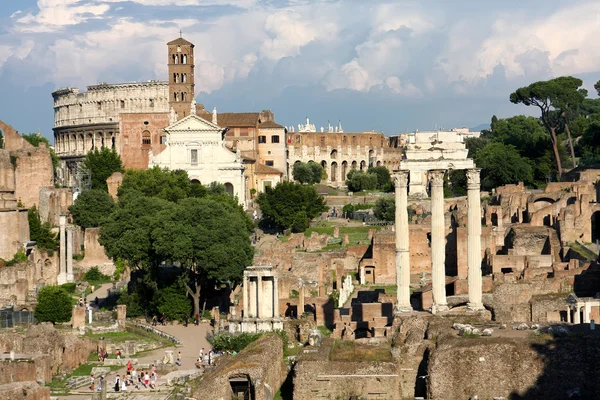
{"points": [[194, 157], [344, 139], [163, 140], [269, 163], [99, 105], [298, 139], [267, 184], [275, 139], [322, 141], [122, 103], [243, 131], [262, 139], [151, 102]]}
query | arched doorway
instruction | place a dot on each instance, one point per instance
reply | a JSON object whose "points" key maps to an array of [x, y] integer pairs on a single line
{"points": [[241, 387], [333, 175], [344, 170], [596, 227], [354, 165], [229, 188], [363, 164]]}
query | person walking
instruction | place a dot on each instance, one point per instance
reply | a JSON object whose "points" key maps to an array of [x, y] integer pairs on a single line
{"points": [[117, 383], [92, 383], [178, 359]]}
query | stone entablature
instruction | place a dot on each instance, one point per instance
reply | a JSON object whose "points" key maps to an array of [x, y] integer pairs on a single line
{"points": [[339, 152], [104, 103]]}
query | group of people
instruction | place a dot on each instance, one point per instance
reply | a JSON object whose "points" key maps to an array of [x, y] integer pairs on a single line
{"points": [[103, 354], [208, 358], [145, 379]]}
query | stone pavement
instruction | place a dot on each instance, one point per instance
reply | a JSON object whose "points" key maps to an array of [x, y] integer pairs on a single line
{"points": [[101, 293]]}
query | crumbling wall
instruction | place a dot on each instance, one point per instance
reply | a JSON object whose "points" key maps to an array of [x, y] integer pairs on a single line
{"points": [[94, 253], [24, 390], [33, 171], [261, 362]]}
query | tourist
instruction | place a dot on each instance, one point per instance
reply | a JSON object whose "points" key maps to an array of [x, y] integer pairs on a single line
{"points": [[153, 379], [153, 369], [129, 366], [100, 380], [92, 381], [117, 383], [134, 378], [146, 379], [154, 320], [124, 385], [197, 320], [118, 354], [178, 359]]}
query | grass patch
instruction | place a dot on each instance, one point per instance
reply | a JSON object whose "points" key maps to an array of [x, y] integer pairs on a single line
{"points": [[292, 351], [325, 331], [392, 289], [352, 351]]}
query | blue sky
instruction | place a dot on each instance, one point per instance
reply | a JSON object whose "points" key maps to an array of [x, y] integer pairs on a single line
{"points": [[390, 66]]}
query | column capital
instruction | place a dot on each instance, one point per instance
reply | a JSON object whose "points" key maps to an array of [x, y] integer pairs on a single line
{"points": [[400, 178], [473, 178], [436, 176]]}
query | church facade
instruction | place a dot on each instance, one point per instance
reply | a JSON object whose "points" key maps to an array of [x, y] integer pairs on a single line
{"points": [[196, 146]]}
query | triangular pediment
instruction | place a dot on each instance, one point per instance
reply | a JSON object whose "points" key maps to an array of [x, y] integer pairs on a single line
{"points": [[193, 123]]}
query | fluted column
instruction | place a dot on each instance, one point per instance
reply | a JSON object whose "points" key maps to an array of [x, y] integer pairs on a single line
{"points": [[252, 297], [438, 241], [402, 243], [62, 261], [474, 240], [245, 289]]}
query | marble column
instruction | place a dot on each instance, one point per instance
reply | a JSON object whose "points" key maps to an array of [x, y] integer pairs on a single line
{"points": [[252, 296], [474, 240], [62, 262], [259, 298], [438, 241], [245, 289], [69, 255], [577, 319], [402, 243], [301, 300], [275, 297]]}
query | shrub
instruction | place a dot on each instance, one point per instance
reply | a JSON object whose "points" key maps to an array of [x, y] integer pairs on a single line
{"points": [[54, 305], [228, 342], [358, 181], [69, 288], [19, 257], [133, 303], [94, 275], [174, 303]]}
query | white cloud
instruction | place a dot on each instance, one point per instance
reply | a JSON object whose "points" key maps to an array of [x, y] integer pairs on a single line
{"points": [[55, 14], [402, 88], [237, 3]]}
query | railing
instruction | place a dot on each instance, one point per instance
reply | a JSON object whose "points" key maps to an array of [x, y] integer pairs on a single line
{"points": [[9, 318]]}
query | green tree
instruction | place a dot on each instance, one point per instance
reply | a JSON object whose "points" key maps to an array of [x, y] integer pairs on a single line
{"points": [[173, 303], [358, 181], [554, 98], [209, 238], [502, 164], [41, 233], [156, 182], [101, 164], [308, 173], [91, 208], [383, 177], [53, 305], [290, 206], [385, 208], [589, 144]]}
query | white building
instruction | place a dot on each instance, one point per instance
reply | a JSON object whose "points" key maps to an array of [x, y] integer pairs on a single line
{"points": [[197, 147]]}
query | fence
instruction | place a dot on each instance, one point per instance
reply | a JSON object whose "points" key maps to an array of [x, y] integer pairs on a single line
{"points": [[9, 318]]}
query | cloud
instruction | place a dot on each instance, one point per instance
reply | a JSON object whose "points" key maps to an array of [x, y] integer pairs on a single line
{"points": [[54, 14]]}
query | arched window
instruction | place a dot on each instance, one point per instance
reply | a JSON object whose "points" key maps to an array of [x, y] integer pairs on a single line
{"points": [[175, 96], [184, 78], [175, 59], [229, 188], [146, 139], [176, 78], [183, 96], [184, 59], [181, 59]]}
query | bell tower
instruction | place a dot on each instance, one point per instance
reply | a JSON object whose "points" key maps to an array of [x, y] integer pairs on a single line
{"points": [[181, 76]]}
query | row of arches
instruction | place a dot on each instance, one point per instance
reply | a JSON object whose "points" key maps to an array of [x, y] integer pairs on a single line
{"points": [[80, 143], [180, 96]]}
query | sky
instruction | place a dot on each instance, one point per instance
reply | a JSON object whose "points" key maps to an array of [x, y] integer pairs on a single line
{"points": [[388, 66]]}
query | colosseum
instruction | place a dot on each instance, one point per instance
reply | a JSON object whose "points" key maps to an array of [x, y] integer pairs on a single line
{"points": [[90, 120]]}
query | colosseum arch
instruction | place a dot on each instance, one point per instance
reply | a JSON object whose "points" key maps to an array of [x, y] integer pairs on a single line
{"points": [[363, 165], [333, 154], [344, 170], [334, 170], [354, 164]]}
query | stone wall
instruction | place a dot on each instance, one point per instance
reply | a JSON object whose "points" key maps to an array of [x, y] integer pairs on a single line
{"points": [[33, 171], [18, 370], [94, 253], [113, 182], [261, 362], [66, 352], [316, 377], [12, 139], [134, 129], [14, 231], [24, 390], [53, 203], [19, 281]]}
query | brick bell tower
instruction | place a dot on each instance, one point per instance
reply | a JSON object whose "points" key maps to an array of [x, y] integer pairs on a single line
{"points": [[181, 76]]}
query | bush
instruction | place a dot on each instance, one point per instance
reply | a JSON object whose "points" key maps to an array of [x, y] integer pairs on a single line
{"points": [[41, 233], [174, 303], [94, 274], [69, 288], [19, 257], [228, 342], [358, 181], [308, 173], [133, 303], [385, 208], [54, 305]]}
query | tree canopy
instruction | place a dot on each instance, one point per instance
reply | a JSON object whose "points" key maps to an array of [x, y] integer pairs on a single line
{"points": [[41, 233], [556, 99], [308, 173], [502, 164], [385, 208], [101, 164], [357, 180], [290, 206], [53, 305], [384, 181], [159, 183], [91, 207]]}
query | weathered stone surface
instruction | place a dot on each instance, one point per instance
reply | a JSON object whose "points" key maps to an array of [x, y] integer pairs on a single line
{"points": [[24, 390], [182, 376]]}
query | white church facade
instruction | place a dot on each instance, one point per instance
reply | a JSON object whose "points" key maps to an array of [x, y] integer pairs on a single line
{"points": [[197, 147]]}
